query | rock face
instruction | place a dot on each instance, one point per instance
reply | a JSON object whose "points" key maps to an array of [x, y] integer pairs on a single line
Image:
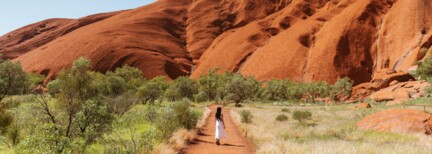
{"points": [[301, 40], [401, 91], [398, 120]]}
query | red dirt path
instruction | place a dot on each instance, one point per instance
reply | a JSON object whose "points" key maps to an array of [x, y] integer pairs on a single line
{"points": [[205, 142]]}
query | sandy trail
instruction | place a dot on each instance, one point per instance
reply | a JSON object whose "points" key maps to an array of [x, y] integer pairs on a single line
{"points": [[205, 142]]}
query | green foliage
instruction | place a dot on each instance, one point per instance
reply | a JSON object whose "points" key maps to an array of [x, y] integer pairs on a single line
{"points": [[208, 85], [424, 70], [176, 116], [285, 110], [47, 138], [5, 121], [116, 85], [281, 117], [133, 76], [151, 114], [34, 80], [140, 143], [240, 89], [13, 80], [276, 90], [342, 88], [93, 120], [152, 90], [316, 90], [246, 116], [78, 117], [302, 116], [183, 87]]}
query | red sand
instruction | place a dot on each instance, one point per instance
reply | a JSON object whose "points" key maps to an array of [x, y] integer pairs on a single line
{"points": [[205, 142]]}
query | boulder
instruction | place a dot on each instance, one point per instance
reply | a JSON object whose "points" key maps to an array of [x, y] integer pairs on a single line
{"points": [[386, 77], [398, 120], [401, 90]]}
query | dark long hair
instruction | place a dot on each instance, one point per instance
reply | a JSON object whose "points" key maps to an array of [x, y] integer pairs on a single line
{"points": [[218, 113]]}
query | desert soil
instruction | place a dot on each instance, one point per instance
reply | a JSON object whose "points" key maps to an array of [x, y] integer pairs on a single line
{"points": [[235, 141]]}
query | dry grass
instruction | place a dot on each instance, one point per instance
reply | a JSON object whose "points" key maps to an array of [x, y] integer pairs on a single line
{"points": [[331, 130], [182, 137]]}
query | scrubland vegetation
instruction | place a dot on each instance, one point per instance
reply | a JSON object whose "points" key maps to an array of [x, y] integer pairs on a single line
{"points": [[82, 111], [331, 129]]}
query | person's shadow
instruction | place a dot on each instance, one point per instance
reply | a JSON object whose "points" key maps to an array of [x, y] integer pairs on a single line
{"points": [[232, 145]]}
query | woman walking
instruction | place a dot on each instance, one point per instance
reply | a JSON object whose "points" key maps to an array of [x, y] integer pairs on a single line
{"points": [[220, 126]]}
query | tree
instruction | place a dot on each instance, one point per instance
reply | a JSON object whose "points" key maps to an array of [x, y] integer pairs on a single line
{"points": [[276, 90], [183, 87], [424, 70], [13, 80], [80, 112], [133, 76], [208, 85], [152, 90], [316, 90], [341, 89], [240, 89], [302, 116]]}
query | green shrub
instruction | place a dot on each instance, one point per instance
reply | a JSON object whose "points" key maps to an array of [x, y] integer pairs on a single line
{"points": [[424, 70], [302, 116], [152, 90], [276, 90], [176, 116], [240, 89], [183, 87], [13, 80], [151, 114], [282, 117], [285, 110], [246, 116]]}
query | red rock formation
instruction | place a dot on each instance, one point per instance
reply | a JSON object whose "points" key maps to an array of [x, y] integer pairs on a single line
{"points": [[398, 120], [301, 40]]}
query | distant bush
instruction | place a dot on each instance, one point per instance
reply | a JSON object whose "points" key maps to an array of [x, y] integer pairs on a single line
{"points": [[302, 116], [282, 117], [183, 87], [246, 116], [152, 90], [13, 80], [341, 89], [276, 90], [240, 89], [176, 116], [151, 114], [285, 110]]}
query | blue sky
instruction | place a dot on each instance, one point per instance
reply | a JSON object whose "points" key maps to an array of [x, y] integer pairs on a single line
{"points": [[17, 13]]}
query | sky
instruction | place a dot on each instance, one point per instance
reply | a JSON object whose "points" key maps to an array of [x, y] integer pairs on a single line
{"points": [[18, 13]]}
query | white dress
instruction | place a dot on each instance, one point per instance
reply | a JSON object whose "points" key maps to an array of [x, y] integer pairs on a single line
{"points": [[219, 134]]}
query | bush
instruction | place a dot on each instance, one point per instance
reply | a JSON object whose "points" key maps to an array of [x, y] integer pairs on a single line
{"points": [[341, 89], [302, 116], [176, 116], [151, 114], [246, 116], [276, 90], [152, 90], [13, 80], [183, 87], [424, 70], [133, 76], [282, 117], [241, 89], [285, 110]]}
